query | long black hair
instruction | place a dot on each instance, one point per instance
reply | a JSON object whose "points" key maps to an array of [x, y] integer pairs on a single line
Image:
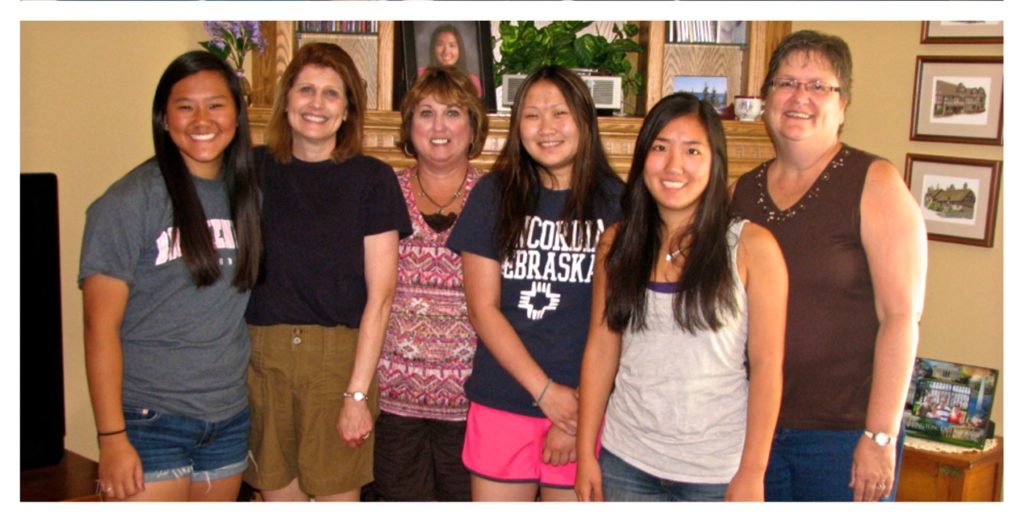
{"points": [[519, 174], [238, 171], [704, 293]]}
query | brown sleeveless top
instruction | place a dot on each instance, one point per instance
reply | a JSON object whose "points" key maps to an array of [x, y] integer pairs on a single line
{"points": [[831, 323]]}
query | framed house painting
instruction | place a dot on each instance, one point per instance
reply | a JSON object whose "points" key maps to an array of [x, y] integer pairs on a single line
{"points": [[957, 196], [958, 100], [962, 32]]}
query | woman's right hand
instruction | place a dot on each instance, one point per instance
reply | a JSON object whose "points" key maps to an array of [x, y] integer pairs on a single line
{"points": [[559, 404], [120, 470], [588, 479]]}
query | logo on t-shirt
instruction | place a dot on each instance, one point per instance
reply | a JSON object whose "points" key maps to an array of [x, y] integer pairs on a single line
{"points": [[538, 299], [545, 255], [222, 233]]}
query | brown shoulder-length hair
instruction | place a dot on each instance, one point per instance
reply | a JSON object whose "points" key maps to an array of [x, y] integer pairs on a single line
{"points": [[350, 134], [451, 87], [519, 175]]}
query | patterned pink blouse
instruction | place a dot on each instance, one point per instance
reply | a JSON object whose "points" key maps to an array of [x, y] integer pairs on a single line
{"points": [[429, 343]]}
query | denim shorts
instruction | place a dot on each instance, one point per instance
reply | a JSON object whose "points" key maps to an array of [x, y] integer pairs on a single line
{"points": [[623, 482], [172, 446]]}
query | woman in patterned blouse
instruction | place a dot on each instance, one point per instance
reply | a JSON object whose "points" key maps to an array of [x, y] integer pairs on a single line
{"points": [[429, 343]]}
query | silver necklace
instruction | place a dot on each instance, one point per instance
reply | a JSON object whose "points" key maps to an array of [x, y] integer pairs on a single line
{"points": [[440, 207]]}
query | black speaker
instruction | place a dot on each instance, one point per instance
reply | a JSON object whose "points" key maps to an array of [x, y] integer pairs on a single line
{"points": [[42, 354]]}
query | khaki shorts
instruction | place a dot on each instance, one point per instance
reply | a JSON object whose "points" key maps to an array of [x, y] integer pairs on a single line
{"points": [[297, 374]]}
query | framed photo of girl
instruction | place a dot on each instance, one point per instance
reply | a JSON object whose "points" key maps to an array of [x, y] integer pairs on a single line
{"points": [[958, 99], [958, 197], [465, 45], [957, 32]]}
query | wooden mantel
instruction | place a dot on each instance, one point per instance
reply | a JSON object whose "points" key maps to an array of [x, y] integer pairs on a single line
{"points": [[748, 143]]}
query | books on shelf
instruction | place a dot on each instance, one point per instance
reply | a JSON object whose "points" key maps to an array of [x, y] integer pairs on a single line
{"points": [[338, 26], [707, 31]]}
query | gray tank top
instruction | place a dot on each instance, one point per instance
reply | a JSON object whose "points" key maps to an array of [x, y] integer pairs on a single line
{"points": [[679, 407]]}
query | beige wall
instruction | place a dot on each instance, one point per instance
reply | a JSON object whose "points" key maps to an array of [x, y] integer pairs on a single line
{"points": [[86, 94], [107, 73], [963, 315]]}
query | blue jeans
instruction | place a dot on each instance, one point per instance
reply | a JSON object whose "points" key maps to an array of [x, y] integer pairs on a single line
{"points": [[815, 465], [624, 483], [172, 447]]}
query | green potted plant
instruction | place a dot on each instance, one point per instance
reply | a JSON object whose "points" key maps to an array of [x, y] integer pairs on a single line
{"points": [[524, 47]]}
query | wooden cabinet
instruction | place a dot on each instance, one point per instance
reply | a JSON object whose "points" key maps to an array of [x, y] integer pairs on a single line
{"points": [[665, 60], [748, 142], [929, 476], [73, 478]]}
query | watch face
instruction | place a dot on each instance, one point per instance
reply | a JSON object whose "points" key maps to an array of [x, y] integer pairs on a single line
{"points": [[883, 439], [356, 396]]}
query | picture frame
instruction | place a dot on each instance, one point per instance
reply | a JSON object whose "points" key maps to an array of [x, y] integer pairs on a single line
{"points": [[950, 402], [712, 89], [958, 99], [958, 197], [478, 59], [962, 32]]}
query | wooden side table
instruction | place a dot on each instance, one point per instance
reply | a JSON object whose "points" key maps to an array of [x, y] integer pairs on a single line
{"points": [[74, 478], [931, 476]]}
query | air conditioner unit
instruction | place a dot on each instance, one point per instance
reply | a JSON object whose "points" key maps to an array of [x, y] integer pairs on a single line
{"points": [[605, 90]]}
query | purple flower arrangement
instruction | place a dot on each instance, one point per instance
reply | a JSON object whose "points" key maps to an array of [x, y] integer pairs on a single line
{"points": [[232, 40]]}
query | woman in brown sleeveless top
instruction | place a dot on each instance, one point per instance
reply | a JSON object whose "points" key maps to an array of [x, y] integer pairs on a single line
{"points": [[855, 246]]}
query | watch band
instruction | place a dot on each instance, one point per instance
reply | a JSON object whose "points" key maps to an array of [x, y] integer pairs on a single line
{"points": [[357, 396], [880, 438]]}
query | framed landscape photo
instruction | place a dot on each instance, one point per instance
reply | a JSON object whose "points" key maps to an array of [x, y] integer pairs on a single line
{"points": [[465, 45], [958, 100], [958, 197], [712, 89], [962, 32]]}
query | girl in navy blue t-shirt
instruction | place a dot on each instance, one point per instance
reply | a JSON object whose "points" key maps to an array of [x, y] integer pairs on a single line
{"points": [[527, 239]]}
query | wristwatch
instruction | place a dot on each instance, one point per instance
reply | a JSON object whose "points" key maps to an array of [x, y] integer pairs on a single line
{"points": [[880, 438], [356, 396]]}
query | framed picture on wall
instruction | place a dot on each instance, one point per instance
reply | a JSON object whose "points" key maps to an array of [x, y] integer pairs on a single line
{"points": [[466, 45], [966, 32], [957, 196], [958, 99]]}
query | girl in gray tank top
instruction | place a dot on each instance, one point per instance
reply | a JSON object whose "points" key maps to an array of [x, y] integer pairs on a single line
{"points": [[688, 325]]}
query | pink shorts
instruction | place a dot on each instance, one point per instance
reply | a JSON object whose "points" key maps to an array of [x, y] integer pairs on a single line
{"points": [[508, 447]]}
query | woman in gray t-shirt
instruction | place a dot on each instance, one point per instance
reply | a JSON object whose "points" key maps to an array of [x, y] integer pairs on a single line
{"points": [[169, 254]]}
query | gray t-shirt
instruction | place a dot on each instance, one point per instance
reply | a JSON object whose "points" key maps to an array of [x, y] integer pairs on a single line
{"points": [[185, 348]]}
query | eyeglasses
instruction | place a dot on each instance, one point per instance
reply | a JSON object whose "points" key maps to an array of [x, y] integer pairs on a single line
{"points": [[815, 87]]}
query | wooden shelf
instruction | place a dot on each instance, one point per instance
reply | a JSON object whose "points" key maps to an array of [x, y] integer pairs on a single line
{"points": [[748, 142], [744, 66]]}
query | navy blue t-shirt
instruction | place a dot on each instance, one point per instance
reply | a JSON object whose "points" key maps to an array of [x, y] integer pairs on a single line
{"points": [[315, 216], [545, 287]]}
